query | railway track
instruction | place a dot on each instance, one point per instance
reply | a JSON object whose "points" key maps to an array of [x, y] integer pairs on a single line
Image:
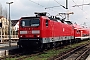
{"points": [[79, 53], [21, 55]]}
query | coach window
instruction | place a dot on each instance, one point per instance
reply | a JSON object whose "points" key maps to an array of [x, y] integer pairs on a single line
{"points": [[46, 22], [78, 31]]}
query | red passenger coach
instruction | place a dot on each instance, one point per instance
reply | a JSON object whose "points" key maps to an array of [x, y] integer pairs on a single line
{"points": [[81, 33], [85, 33], [41, 31]]}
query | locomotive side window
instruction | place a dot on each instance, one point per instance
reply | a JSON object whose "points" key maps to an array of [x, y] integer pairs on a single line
{"points": [[72, 27], [30, 22], [46, 22]]}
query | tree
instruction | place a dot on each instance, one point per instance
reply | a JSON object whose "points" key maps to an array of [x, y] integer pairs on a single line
{"points": [[4, 12], [0, 9]]}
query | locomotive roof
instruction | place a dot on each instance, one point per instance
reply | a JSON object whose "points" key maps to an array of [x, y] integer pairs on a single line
{"points": [[69, 22], [51, 18], [29, 17]]}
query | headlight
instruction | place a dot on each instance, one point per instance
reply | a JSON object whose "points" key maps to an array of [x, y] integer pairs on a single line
{"points": [[35, 31], [38, 35], [23, 32], [20, 36]]}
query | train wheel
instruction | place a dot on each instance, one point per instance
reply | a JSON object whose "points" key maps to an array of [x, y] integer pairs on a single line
{"points": [[48, 46], [54, 45], [51, 45]]}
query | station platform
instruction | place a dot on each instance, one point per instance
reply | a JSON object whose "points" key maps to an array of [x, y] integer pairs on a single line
{"points": [[4, 48], [88, 58]]}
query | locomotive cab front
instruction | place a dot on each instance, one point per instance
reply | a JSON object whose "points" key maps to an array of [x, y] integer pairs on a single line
{"points": [[29, 31]]}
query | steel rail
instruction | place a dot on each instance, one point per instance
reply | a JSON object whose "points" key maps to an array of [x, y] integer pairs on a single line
{"points": [[70, 52]]}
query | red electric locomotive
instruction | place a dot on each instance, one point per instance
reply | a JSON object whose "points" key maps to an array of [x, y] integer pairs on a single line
{"points": [[41, 31]]}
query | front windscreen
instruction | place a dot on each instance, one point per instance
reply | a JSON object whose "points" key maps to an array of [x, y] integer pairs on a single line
{"points": [[30, 22]]}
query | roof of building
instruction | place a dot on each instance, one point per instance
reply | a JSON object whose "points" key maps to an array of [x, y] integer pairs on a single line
{"points": [[14, 22], [1, 17]]}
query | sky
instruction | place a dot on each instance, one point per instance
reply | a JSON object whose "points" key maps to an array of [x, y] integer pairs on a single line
{"points": [[27, 8]]}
